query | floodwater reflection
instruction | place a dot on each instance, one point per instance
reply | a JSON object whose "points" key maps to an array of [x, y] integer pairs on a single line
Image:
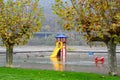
{"points": [[73, 62], [57, 64], [99, 65]]}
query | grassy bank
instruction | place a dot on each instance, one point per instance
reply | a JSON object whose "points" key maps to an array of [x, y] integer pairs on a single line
{"points": [[32, 74]]}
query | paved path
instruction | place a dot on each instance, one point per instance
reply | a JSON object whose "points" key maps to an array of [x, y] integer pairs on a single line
{"points": [[51, 48]]}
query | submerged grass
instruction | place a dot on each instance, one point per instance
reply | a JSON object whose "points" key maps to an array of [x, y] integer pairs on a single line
{"points": [[34, 74]]}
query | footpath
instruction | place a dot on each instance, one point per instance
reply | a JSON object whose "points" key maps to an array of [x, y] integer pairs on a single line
{"points": [[75, 49]]}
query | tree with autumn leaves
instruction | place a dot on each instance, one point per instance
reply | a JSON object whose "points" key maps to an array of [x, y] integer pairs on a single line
{"points": [[96, 20], [19, 19]]}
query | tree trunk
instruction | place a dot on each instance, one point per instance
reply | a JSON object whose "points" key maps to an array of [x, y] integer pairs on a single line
{"points": [[9, 56], [112, 61]]}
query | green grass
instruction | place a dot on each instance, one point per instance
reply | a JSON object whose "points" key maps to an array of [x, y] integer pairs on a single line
{"points": [[33, 74]]}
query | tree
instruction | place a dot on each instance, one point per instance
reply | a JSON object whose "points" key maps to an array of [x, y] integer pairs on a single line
{"points": [[97, 20], [19, 19]]}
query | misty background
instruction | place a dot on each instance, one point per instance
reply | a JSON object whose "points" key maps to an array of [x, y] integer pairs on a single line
{"points": [[51, 28]]}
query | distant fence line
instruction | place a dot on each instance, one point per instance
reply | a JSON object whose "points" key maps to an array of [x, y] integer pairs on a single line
{"points": [[48, 38]]}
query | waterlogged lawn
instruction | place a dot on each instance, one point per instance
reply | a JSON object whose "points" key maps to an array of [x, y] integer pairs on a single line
{"points": [[33, 74]]}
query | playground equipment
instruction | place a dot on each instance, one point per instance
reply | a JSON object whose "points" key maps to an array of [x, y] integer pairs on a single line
{"points": [[99, 60], [56, 52], [91, 53], [60, 49]]}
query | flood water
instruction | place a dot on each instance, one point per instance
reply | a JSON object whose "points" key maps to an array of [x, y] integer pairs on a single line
{"points": [[78, 62], [75, 61]]}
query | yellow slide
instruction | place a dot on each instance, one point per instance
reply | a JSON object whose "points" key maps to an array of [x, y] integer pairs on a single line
{"points": [[57, 48], [55, 52]]}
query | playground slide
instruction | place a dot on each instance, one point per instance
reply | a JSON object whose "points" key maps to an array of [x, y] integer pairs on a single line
{"points": [[55, 52]]}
